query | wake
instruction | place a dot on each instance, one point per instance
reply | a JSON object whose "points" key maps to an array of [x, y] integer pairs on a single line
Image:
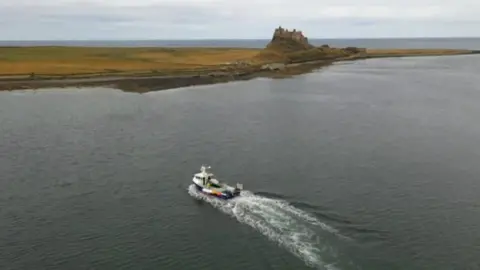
{"points": [[290, 227]]}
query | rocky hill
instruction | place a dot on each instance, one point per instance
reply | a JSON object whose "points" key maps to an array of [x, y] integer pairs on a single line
{"points": [[293, 47], [289, 41]]}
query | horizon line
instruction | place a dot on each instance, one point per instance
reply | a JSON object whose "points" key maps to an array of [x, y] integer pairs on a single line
{"points": [[245, 39]]}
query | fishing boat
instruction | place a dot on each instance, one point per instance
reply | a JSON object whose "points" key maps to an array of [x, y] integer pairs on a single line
{"points": [[207, 183]]}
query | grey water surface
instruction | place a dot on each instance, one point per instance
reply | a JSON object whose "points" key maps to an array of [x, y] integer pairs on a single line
{"points": [[369, 165]]}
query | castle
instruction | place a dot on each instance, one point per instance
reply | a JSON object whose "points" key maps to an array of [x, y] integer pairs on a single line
{"points": [[294, 35]]}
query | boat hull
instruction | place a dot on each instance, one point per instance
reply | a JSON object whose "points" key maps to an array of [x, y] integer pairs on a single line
{"points": [[226, 195]]}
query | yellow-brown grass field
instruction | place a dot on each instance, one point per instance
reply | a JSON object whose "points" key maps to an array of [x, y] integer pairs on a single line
{"points": [[90, 60]]}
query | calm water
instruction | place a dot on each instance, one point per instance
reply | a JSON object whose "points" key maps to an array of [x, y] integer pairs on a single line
{"points": [[365, 165], [406, 43]]}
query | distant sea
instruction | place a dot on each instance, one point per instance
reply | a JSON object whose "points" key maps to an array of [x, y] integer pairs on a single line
{"points": [[387, 43]]}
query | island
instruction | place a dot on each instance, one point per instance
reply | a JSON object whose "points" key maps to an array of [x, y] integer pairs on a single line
{"points": [[141, 69]]}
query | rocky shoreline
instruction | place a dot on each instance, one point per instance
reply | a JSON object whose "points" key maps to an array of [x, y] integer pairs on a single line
{"points": [[126, 83], [146, 83]]}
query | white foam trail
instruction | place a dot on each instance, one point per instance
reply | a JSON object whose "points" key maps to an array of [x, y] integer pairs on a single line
{"points": [[297, 212], [277, 220]]}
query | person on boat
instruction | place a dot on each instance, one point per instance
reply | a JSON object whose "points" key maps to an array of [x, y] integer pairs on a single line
{"points": [[208, 181]]}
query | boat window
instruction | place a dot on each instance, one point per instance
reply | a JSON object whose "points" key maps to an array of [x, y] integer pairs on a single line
{"points": [[215, 185]]}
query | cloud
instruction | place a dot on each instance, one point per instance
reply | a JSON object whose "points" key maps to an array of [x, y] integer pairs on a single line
{"points": [[183, 19]]}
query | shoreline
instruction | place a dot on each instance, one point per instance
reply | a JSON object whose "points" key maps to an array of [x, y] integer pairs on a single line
{"points": [[142, 82]]}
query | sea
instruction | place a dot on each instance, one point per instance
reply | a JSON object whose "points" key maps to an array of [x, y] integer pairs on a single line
{"points": [[472, 43], [362, 165]]}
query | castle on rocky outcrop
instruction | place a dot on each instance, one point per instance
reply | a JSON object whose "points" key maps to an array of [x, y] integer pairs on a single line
{"points": [[295, 36], [284, 33]]}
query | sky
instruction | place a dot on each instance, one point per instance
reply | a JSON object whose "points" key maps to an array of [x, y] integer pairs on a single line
{"points": [[235, 19]]}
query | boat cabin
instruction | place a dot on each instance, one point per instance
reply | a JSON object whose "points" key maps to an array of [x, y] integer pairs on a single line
{"points": [[208, 180]]}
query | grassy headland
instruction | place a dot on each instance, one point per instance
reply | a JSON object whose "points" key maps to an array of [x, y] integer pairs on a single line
{"points": [[71, 61], [143, 69]]}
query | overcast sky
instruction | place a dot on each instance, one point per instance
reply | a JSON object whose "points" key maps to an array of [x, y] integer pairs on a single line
{"points": [[193, 19]]}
